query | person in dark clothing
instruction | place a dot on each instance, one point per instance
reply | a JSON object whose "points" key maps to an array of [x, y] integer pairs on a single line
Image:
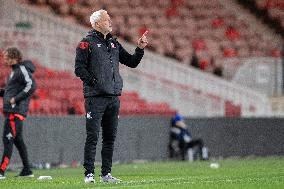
{"points": [[218, 71], [181, 141], [215, 68], [194, 62], [16, 97], [97, 65]]}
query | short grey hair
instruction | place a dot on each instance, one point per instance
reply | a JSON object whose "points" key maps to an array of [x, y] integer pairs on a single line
{"points": [[95, 17]]}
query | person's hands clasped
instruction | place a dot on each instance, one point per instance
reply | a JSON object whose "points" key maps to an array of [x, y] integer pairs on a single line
{"points": [[142, 41]]}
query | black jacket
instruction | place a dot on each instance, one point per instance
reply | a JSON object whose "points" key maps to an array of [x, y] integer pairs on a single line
{"points": [[21, 86], [97, 64]]}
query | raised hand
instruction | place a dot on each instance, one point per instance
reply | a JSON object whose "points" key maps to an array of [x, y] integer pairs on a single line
{"points": [[142, 41]]}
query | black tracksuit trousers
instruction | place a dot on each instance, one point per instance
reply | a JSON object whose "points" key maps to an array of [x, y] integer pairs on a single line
{"points": [[100, 112], [13, 134]]}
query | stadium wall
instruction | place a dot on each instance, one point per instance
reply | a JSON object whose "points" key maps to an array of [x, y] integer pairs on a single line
{"points": [[61, 139]]}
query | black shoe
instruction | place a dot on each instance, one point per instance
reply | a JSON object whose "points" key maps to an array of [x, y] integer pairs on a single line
{"points": [[26, 173]]}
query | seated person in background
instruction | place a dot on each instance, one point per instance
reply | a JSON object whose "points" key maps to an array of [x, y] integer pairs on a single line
{"points": [[194, 60], [181, 142]]}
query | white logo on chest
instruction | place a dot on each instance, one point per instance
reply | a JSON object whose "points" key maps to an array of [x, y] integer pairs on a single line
{"points": [[9, 136], [89, 115], [99, 45]]}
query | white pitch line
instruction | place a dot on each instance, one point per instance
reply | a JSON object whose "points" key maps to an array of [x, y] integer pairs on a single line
{"points": [[146, 183]]}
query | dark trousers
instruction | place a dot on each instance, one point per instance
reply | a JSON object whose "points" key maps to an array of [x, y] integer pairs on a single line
{"points": [[13, 134], [192, 144], [100, 112]]}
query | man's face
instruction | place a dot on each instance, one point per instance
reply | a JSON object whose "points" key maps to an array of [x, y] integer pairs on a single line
{"points": [[8, 61], [105, 23]]}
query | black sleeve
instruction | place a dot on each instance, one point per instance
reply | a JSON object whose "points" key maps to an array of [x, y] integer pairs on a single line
{"points": [[81, 62], [2, 91], [129, 60], [28, 82]]}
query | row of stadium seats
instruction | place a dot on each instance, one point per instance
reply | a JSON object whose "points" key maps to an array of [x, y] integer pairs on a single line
{"points": [[60, 93], [275, 9], [177, 27]]}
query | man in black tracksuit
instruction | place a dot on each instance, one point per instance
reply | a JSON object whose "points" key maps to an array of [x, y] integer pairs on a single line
{"points": [[16, 97], [97, 64]]}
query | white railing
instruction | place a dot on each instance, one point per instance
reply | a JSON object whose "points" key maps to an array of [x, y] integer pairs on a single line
{"points": [[190, 91]]}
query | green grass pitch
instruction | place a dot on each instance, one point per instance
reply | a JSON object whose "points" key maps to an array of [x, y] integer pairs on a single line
{"points": [[257, 173]]}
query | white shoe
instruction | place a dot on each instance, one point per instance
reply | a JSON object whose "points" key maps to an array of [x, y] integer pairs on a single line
{"points": [[2, 177], [110, 179], [89, 178]]}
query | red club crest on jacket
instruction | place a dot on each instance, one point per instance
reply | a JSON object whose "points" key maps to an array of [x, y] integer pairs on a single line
{"points": [[83, 45]]}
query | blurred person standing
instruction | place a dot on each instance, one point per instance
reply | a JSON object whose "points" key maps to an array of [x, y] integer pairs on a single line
{"points": [[16, 98], [97, 65]]}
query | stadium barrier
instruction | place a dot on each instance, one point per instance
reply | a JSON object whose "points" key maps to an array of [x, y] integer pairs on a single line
{"points": [[61, 139]]}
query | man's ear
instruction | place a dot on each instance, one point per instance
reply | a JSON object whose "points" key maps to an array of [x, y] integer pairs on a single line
{"points": [[97, 24]]}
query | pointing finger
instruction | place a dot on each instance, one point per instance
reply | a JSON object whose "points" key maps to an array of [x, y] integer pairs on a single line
{"points": [[145, 33]]}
